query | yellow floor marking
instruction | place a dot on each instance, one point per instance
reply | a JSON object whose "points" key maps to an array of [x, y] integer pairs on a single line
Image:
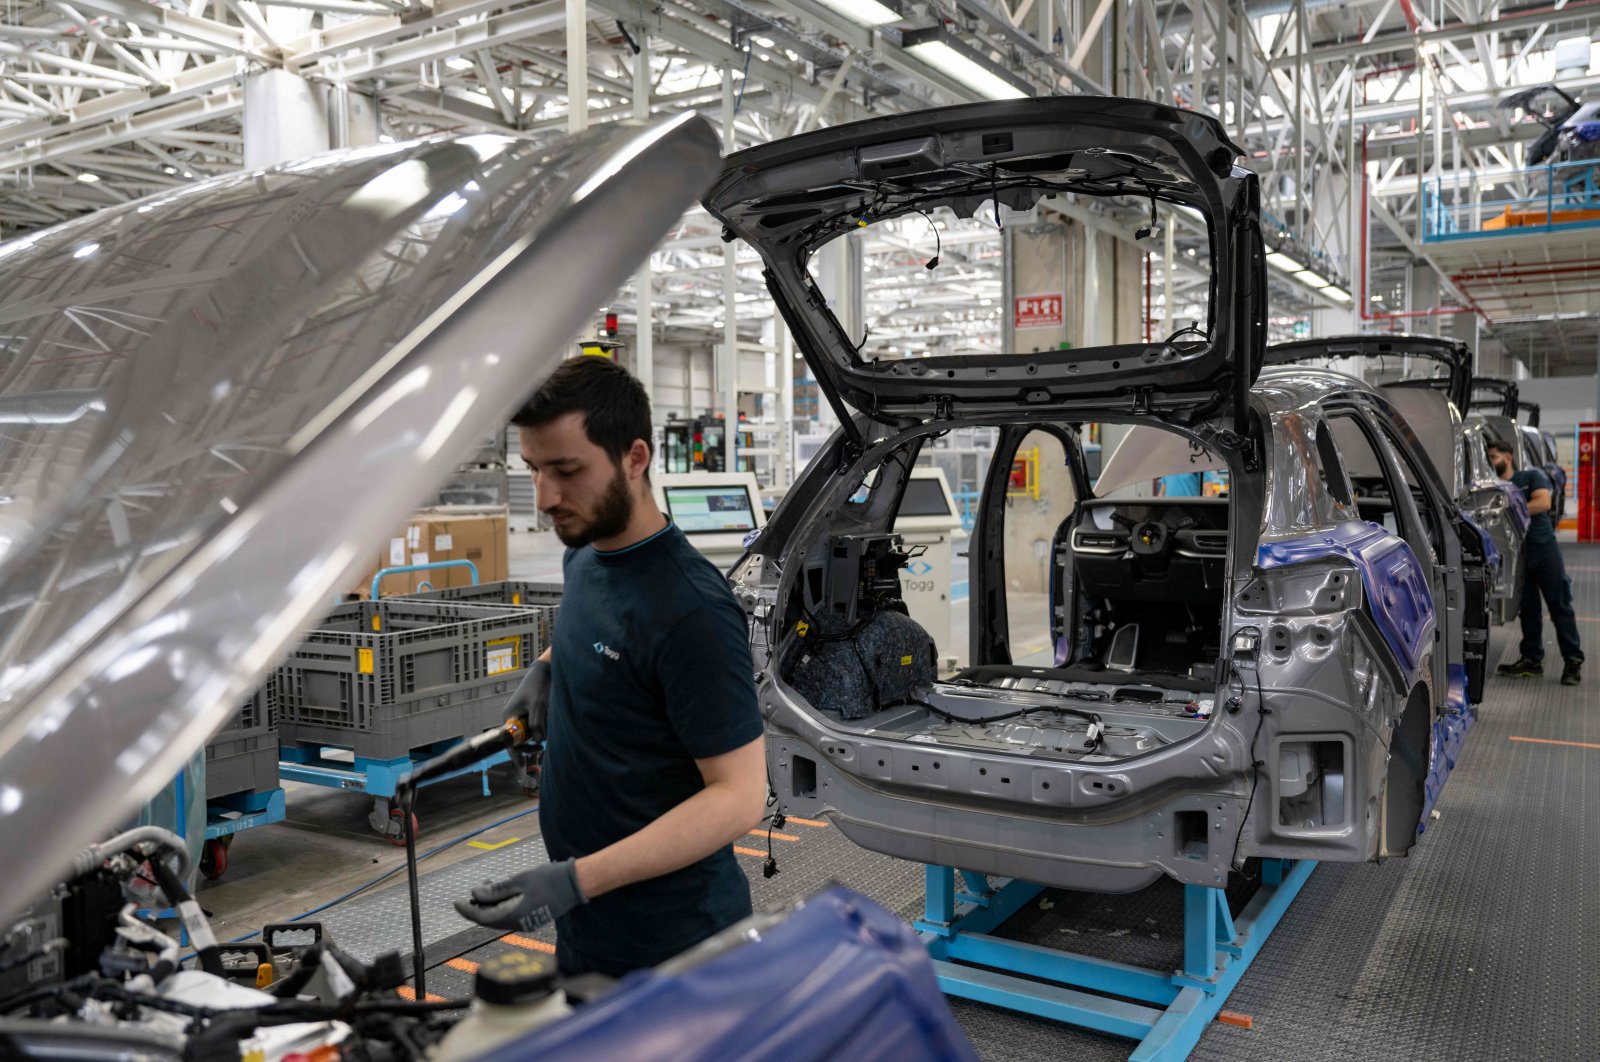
{"points": [[776, 836], [464, 965], [806, 822], [487, 847], [749, 851], [1549, 741], [407, 992]]}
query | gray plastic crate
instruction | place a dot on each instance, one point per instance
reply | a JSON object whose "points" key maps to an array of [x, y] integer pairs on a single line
{"points": [[241, 762], [402, 729], [514, 592], [243, 756], [385, 677], [475, 486]]}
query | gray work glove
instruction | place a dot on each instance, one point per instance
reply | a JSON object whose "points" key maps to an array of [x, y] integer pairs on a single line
{"points": [[526, 901], [531, 701]]}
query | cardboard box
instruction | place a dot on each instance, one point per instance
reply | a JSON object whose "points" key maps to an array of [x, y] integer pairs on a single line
{"points": [[440, 534]]}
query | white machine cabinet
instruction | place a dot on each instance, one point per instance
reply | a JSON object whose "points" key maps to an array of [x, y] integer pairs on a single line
{"points": [[716, 511], [928, 517]]}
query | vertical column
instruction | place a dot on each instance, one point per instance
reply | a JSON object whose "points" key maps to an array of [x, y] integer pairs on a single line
{"points": [[1008, 290], [577, 65], [1091, 287], [785, 463], [644, 366], [285, 119], [1302, 38], [1169, 268], [729, 362], [1036, 287]]}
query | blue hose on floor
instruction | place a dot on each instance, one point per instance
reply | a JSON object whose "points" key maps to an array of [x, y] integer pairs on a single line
{"points": [[387, 874]]}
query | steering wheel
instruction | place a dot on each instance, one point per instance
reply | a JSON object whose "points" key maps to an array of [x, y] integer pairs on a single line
{"points": [[1150, 538]]}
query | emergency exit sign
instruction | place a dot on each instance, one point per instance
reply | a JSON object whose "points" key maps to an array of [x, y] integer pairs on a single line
{"points": [[1036, 311]]}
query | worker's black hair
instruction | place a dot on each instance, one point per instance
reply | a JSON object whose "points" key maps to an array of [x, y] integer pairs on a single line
{"points": [[615, 407], [1504, 447]]}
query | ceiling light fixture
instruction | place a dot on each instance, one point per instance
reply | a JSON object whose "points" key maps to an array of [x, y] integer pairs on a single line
{"points": [[1279, 260], [949, 56], [88, 178], [865, 12], [1338, 295]]}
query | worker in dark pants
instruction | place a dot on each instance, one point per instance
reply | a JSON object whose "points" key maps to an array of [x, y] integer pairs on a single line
{"points": [[654, 762], [1544, 575]]}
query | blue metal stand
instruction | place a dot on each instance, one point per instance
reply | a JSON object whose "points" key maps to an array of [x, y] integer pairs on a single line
{"points": [[1165, 1012], [377, 777], [243, 811]]}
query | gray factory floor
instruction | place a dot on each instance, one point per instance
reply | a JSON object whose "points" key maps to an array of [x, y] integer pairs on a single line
{"points": [[1482, 945]]}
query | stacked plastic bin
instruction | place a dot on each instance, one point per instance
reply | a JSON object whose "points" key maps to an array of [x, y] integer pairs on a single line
{"points": [[389, 677], [243, 757]]}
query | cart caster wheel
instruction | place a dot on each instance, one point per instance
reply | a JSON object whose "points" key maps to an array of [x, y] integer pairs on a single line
{"points": [[528, 782], [396, 833], [214, 859]]}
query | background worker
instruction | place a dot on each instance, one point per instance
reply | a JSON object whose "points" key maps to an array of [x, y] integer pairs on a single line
{"points": [[654, 762], [1544, 574]]}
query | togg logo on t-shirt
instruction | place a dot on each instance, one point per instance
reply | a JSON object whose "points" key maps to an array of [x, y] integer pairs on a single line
{"points": [[606, 651]]}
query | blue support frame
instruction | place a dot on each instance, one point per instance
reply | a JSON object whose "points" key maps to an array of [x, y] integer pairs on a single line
{"points": [[1165, 1012], [243, 811], [376, 777]]}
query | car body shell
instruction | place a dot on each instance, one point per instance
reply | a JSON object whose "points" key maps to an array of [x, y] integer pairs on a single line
{"points": [[1347, 634]]}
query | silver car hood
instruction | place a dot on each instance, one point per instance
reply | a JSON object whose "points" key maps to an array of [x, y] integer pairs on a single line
{"points": [[213, 401]]}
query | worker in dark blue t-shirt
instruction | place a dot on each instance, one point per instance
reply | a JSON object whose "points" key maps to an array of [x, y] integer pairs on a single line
{"points": [[1544, 575], [654, 762]]}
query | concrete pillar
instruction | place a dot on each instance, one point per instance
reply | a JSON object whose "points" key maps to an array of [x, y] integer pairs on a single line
{"points": [[1090, 287], [1422, 293], [1036, 306], [728, 363], [644, 281], [839, 278], [285, 119], [785, 464], [577, 66], [1464, 326], [352, 117]]}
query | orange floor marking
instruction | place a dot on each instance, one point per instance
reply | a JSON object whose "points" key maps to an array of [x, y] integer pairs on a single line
{"points": [[464, 965], [407, 992], [1234, 1018], [749, 851], [806, 822], [528, 943], [1550, 741], [776, 836]]}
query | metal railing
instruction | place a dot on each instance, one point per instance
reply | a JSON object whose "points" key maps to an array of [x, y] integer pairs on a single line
{"points": [[1546, 198]]}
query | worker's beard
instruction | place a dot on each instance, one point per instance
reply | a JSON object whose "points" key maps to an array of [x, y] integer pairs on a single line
{"points": [[610, 518]]}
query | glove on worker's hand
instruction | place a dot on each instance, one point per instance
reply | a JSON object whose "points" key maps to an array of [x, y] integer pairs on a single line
{"points": [[526, 901], [531, 700]]}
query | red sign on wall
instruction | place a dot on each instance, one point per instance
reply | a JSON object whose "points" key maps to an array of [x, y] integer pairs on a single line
{"points": [[1588, 472], [1036, 311]]}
